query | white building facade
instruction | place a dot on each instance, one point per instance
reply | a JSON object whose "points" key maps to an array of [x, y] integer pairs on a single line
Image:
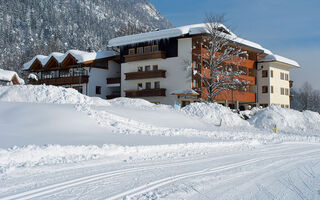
{"points": [[155, 64]]}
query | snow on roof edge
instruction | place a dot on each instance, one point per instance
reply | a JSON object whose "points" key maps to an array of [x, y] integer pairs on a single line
{"points": [[278, 58], [7, 75], [81, 56]]}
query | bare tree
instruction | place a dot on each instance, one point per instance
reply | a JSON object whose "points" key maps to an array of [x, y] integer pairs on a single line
{"points": [[217, 65]]}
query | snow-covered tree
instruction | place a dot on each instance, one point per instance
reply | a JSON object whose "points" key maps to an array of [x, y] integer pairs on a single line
{"points": [[219, 60], [306, 98]]}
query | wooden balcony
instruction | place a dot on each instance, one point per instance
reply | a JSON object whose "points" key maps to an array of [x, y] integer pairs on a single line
{"points": [[146, 74], [145, 56], [146, 93], [61, 80], [115, 80], [248, 97]]}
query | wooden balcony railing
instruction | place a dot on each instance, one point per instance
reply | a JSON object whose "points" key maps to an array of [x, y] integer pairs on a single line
{"points": [[62, 80], [146, 74], [145, 56], [113, 80], [146, 93]]}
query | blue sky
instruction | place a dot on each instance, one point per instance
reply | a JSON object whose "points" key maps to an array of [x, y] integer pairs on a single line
{"points": [[290, 28]]}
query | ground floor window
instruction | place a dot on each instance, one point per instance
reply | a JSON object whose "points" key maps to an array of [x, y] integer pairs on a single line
{"points": [[98, 89]]}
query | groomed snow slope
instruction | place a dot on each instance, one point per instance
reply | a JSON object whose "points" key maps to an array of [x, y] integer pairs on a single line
{"points": [[33, 115], [70, 146]]}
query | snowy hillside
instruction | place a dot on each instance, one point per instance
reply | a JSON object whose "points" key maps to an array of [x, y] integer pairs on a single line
{"points": [[29, 28], [79, 143]]}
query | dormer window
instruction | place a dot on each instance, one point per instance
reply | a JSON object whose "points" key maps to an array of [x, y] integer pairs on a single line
{"points": [[132, 51]]}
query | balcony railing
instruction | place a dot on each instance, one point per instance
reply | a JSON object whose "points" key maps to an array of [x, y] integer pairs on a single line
{"points": [[146, 93], [145, 56], [146, 74], [62, 80], [113, 80]]}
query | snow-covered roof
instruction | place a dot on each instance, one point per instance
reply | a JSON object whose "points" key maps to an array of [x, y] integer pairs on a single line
{"points": [[80, 56], [277, 58], [43, 60], [83, 56], [177, 32], [184, 92], [7, 75], [161, 34], [57, 55]]}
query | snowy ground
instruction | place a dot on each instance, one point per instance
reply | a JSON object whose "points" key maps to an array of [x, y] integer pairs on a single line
{"points": [[58, 144]]}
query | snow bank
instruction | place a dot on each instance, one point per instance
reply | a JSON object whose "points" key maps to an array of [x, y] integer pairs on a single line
{"points": [[214, 113], [42, 94], [32, 155], [287, 120]]}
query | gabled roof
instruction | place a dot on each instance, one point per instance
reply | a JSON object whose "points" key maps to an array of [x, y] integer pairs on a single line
{"points": [[83, 56], [7, 75], [54, 56], [277, 58], [80, 56], [41, 58]]}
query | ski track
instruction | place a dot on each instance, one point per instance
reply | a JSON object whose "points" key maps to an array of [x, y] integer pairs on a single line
{"points": [[51, 189], [165, 181]]}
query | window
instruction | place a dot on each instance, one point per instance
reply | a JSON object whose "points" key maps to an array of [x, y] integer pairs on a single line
{"points": [[147, 68], [140, 69], [132, 51], [271, 89], [282, 91], [157, 85], [264, 73], [252, 72], [287, 106], [139, 86], [286, 77], [147, 49], [264, 89], [98, 89], [282, 106], [155, 67], [271, 73], [155, 48], [282, 76], [243, 69], [148, 85], [140, 50], [286, 91]]}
